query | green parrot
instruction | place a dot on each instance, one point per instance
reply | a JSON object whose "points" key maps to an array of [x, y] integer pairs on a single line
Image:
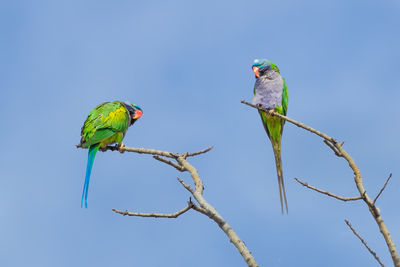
{"points": [[106, 124], [271, 92]]}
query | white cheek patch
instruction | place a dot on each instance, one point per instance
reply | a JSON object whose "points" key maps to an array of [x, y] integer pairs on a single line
{"points": [[256, 60]]}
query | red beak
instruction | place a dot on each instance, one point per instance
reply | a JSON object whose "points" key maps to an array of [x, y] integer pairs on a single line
{"points": [[138, 114], [256, 71]]}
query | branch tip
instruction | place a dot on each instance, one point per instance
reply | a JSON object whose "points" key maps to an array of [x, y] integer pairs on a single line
{"points": [[383, 188], [185, 185], [373, 253], [199, 152]]}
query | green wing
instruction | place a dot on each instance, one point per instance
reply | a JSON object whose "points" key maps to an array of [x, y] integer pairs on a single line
{"points": [[285, 101], [285, 97], [107, 120]]}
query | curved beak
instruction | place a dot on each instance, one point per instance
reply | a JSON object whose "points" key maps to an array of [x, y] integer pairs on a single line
{"points": [[137, 114], [256, 71]]}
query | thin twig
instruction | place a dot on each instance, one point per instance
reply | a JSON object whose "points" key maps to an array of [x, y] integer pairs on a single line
{"points": [[185, 185], [157, 215], [383, 188], [199, 152], [328, 193], [364, 243], [176, 166], [334, 149]]}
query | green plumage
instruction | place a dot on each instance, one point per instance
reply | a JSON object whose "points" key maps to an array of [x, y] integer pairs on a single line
{"points": [[271, 92], [107, 123], [274, 127]]}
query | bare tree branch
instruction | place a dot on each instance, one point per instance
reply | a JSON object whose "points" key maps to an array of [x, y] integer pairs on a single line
{"points": [[298, 124], [334, 149], [212, 213], [199, 209], [199, 152], [186, 185], [364, 243], [328, 193], [157, 215], [339, 151], [142, 151], [383, 188], [176, 166], [193, 172], [204, 207]]}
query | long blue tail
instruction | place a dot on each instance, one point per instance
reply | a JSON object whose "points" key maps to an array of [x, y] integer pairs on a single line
{"points": [[91, 155]]}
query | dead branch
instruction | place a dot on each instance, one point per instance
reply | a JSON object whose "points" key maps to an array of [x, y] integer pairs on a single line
{"points": [[383, 188], [328, 193], [199, 152], [298, 124], [340, 152], [185, 185], [373, 253], [176, 166], [204, 207], [141, 150], [334, 149], [157, 215]]}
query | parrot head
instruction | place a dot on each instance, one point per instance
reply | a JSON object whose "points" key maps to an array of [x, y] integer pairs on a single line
{"points": [[135, 112], [264, 68]]}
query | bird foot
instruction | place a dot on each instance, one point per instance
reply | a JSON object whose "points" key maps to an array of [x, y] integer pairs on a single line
{"points": [[120, 148]]}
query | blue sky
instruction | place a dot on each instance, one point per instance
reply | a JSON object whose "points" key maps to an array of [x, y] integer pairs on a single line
{"points": [[187, 64]]}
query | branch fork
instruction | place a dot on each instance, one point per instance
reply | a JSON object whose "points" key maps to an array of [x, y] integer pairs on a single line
{"points": [[180, 163], [339, 151]]}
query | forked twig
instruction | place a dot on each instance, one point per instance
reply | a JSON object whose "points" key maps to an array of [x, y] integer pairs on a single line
{"points": [[204, 207], [340, 152]]}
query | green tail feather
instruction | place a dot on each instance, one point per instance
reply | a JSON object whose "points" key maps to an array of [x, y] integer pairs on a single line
{"points": [[276, 145]]}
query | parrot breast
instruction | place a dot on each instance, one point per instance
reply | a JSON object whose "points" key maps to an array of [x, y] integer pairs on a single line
{"points": [[268, 92]]}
